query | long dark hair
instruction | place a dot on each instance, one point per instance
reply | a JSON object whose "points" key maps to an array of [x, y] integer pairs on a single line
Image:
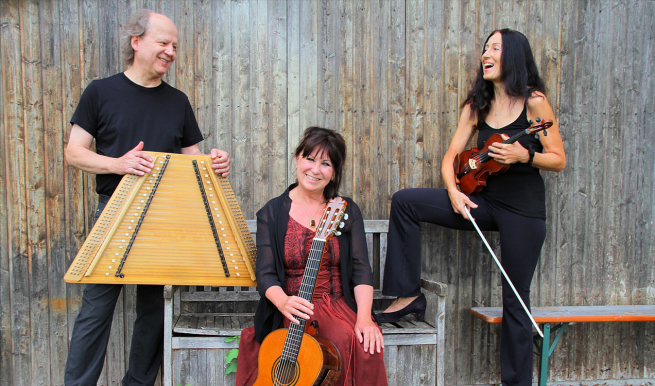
{"points": [[319, 138], [518, 71]]}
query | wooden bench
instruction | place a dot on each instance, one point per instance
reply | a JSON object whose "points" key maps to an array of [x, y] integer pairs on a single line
{"points": [[199, 319], [562, 317]]}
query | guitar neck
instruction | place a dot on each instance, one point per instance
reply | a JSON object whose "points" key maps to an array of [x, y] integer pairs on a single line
{"points": [[294, 336], [311, 270]]}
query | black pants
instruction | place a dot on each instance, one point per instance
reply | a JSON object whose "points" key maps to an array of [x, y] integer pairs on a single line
{"points": [[88, 345], [521, 239]]}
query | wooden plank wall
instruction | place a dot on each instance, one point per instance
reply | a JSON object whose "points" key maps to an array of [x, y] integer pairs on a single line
{"points": [[387, 74]]}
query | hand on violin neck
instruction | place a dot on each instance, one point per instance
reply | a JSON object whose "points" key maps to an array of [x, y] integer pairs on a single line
{"points": [[508, 153]]}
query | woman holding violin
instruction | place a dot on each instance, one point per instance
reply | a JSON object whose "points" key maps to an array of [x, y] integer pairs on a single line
{"points": [[343, 294], [507, 95]]}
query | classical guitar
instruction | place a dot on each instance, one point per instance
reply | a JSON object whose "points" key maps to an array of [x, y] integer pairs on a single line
{"points": [[298, 356], [473, 166]]}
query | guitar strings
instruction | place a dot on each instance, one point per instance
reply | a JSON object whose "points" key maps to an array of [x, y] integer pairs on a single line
{"points": [[288, 359], [295, 332]]}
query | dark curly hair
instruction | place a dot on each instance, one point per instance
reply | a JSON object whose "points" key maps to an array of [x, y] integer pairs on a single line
{"points": [[518, 71], [319, 138]]}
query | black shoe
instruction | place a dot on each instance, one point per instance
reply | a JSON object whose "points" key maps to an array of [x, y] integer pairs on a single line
{"points": [[416, 307]]}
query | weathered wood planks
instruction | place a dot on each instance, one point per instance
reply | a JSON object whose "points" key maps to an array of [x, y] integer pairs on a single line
{"points": [[390, 76]]}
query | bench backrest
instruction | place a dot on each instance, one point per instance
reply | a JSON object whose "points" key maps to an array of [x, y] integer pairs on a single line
{"points": [[376, 239]]}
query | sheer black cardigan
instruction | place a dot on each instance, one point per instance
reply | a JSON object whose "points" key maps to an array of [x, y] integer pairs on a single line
{"points": [[272, 221]]}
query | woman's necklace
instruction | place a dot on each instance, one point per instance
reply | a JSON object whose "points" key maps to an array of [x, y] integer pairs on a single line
{"points": [[498, 106], [312, 223]]}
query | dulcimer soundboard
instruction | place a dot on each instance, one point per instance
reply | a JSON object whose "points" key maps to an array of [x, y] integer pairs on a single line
{"points": [[179, 224]]}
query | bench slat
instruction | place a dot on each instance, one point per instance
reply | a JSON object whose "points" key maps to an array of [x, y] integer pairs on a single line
{"points": [[218, 341], [370, 226], [629, 313], [243, 296], [223, 324], [410, 340]]}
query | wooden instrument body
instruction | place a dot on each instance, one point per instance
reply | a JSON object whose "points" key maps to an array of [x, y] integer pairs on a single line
{"points": [[318, 361], [473, 181], [473, 167], [171, 228], [292, 356]]}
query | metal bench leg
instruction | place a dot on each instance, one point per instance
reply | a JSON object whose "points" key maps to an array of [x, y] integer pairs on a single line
{"points": [[546, 348], [543, 355]]}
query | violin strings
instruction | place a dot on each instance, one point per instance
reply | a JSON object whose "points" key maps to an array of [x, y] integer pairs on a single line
{"points": [[485, 154]]}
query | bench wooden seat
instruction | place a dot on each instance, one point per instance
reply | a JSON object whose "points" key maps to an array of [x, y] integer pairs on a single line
{"points": [[562, 317], [577, 314], [196, 327]]}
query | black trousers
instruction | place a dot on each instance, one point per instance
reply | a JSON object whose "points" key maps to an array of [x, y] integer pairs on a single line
{"points": [[521, 239], [88, 344]]}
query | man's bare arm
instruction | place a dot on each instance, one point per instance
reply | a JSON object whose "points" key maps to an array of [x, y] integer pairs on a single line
{"points": [[80, 155]]}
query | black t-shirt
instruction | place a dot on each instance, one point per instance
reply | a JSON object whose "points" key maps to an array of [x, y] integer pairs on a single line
{"points": [[520, 189], [119, 113]]}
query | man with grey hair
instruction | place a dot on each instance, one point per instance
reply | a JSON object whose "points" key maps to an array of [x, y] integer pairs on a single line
{"points": [[127, 114]]}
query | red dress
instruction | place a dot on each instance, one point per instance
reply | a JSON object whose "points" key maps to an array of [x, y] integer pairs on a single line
{"points": [[336, 321]]}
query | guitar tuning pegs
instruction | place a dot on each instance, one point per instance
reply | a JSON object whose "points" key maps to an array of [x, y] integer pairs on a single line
{"points": [[536, 136], [538, 120], [338, 233], [345, 216], [341, 225], [545, 133], [530, 122]]}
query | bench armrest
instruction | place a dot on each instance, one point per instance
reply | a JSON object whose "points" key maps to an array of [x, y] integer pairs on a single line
{"points": [[170, 291], [434, 287]]}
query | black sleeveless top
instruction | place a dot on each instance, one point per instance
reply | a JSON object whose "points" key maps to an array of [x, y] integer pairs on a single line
{"points": [[520, 189]]}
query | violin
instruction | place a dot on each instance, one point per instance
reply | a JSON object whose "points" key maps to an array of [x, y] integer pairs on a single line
{"points": [[473, 166], [298, 355]]}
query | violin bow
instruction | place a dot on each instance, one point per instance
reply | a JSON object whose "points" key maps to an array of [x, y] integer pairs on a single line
{"points": [[503, 271]]}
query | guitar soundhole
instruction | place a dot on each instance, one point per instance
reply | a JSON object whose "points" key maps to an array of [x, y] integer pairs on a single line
{"points": [[285, 372]]}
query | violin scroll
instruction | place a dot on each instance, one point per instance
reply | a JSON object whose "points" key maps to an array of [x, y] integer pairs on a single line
{"points": [[540, 126]]}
